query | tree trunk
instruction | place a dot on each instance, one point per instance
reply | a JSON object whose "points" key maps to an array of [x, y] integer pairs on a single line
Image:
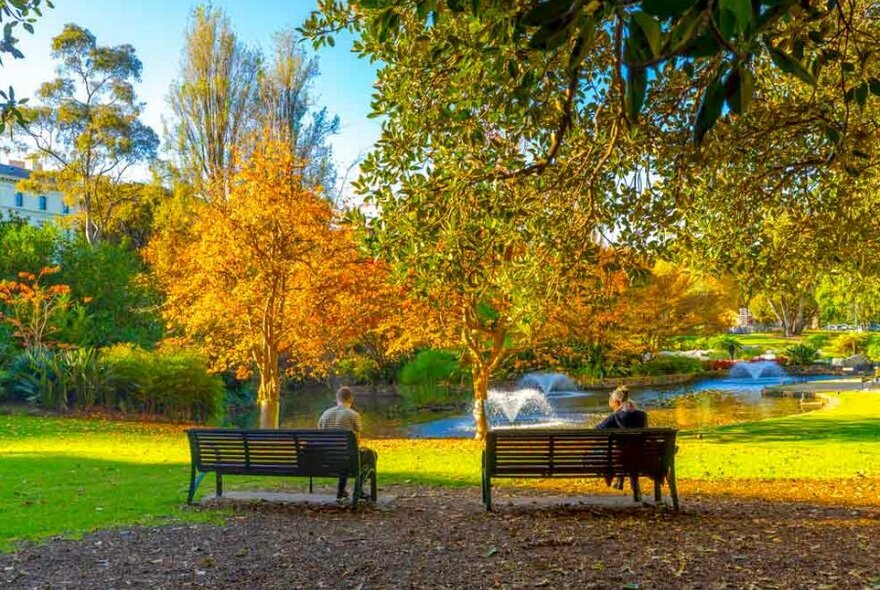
{"points": [[269, 392], [481, 390]]}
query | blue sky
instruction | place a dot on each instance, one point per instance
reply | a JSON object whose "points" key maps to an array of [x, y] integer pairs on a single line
{"points": [[155, 28]]}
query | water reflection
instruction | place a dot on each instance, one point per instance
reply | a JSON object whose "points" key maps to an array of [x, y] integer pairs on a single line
{"points": [[705, 403]]}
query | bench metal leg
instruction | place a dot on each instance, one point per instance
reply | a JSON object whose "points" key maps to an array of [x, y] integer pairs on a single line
{"points": [[658, 490], [219, 484], [672, 490], [636, 488], [310, 485], [356, 496], [487, 485], [194, 482]]}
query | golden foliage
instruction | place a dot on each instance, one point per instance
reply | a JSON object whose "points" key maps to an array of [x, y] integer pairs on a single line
{"points": [[265, 274]]}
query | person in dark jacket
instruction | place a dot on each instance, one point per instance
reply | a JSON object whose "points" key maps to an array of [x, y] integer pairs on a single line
{"points": [[625, 415]]}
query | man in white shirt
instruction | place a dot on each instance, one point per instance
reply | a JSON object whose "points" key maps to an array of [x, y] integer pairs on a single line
{"points": [[343, 417]]}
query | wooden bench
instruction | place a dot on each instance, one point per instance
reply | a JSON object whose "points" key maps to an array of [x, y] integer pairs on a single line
{"points": [[286, 453], [607, 454]]}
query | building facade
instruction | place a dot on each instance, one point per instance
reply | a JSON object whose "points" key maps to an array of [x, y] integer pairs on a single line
{"points": [[37, 209]]}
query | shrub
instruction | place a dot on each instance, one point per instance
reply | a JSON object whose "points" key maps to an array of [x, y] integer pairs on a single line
{"points": [[720, 365], [180, 387], [817, 341], [430, 367], [175, 383], [872, 350], [849, 343], [172, 383], [726, 343], [801, 354], [37, 376], [360, 369], [668, 365]]}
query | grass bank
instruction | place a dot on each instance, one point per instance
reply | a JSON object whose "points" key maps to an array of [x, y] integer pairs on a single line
{"points": [[69, 476]]}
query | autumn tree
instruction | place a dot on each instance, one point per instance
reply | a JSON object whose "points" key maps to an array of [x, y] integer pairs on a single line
{"points": [[263, 278], [676, 301], [87, 127]]}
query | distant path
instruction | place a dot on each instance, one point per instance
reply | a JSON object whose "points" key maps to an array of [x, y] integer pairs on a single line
{"points": [[829, 385]]}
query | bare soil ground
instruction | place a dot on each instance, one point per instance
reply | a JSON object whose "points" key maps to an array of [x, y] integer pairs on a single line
{"points": [[442, 538]]}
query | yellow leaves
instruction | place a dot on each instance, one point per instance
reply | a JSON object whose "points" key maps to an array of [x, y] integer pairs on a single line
{"points": [[263, 271]]}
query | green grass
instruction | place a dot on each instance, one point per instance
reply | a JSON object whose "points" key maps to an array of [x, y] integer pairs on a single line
{"points": [[70, 476], [840, 441]]}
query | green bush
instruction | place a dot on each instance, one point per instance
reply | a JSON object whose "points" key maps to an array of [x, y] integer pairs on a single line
{"points": [[872, 349], [801, 354], [174, 383], [431, 367], [115, 301], [849, 343], [817, 341], [668, 365], [38, 376], [752, 351], [726, 343], [362, 370]]}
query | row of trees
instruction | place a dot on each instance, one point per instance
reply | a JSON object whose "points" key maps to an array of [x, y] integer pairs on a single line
{"points": [[737, 135], [535, 158]]}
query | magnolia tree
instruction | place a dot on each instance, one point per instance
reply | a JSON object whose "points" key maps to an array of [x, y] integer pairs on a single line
{"points": [[264, 278]]}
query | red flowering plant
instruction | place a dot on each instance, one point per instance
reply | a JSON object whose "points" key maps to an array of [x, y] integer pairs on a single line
{"points": [[30, 306]]}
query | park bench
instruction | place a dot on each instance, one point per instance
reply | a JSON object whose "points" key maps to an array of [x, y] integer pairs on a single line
{"points": [[285, 453], [607, 454]]}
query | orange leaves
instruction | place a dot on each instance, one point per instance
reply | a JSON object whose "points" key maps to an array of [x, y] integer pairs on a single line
{"points": [[263, 271], [32, 306]]}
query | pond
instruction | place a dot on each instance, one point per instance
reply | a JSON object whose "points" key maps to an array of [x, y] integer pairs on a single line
{"points": [[699, 404]]}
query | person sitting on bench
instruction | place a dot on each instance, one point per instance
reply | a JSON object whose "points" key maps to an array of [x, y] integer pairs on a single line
{"points": [[343, 417], [625, 415]]}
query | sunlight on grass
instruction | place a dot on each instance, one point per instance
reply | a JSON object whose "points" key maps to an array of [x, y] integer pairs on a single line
{"points": [[69, 476]]}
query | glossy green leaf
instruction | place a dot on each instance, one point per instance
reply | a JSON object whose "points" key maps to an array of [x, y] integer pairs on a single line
{"points": [[650, 29], [740, 10], [739, 89], [547, 12], [790, 65], [636, 88], [711, 105], [666, 8], [683, 32]]}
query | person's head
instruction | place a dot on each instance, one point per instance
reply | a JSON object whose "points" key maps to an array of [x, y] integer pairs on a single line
{"points": [[344, 397], [619, 398]]}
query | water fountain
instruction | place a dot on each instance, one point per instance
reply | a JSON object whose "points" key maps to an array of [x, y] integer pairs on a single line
{"points": [[756, 370], [526, 404], [548, 382]]}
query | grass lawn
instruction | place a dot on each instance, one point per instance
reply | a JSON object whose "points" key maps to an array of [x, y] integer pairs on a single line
{"points": [[69, 476]]}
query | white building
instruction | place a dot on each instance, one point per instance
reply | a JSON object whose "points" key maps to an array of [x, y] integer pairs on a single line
{"points": [[38, 209]]}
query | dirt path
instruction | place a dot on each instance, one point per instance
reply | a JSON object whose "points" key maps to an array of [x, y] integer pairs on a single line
{"points": [[441, 538]]}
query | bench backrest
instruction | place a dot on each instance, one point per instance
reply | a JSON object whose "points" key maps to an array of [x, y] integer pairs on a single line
{"points": [[569, 452], [274, 452]]}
